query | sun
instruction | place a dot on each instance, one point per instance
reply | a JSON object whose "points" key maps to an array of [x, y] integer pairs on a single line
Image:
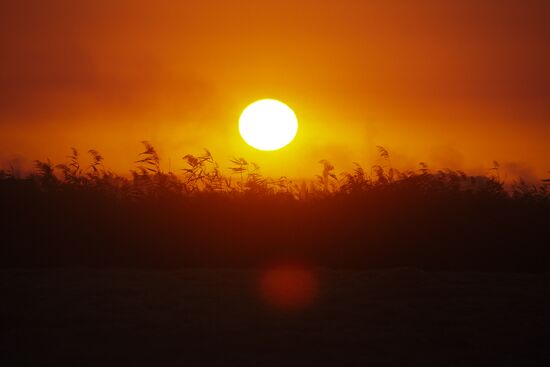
{"points": [[268, 124]]}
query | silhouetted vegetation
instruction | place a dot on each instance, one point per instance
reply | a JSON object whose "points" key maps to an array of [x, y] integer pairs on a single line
{"points": [[80, 213]]}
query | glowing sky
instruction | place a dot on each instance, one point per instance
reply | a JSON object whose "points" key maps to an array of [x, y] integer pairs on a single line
{"points": [[454, 84]]}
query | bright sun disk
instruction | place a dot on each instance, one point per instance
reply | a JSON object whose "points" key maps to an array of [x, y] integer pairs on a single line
{"points": [[268, 124]]}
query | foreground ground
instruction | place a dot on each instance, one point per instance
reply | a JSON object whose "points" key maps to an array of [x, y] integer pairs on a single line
{"points": [[397, 317]]}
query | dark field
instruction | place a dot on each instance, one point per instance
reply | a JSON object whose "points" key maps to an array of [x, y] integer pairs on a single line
{"points": [[481, 297], [87, 317]]}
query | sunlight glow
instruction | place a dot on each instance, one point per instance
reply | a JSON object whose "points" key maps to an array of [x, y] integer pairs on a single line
{"points": [[268, 124]]}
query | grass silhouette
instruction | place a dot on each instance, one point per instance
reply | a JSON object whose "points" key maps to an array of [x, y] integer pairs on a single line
{"points": [[79, 213]]}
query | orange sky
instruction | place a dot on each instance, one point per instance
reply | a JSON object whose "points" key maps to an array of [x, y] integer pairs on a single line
{"points": [[455, 84]]}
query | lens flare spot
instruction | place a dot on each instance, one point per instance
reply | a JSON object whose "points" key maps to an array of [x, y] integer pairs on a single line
{"points": [[289, 287]]}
